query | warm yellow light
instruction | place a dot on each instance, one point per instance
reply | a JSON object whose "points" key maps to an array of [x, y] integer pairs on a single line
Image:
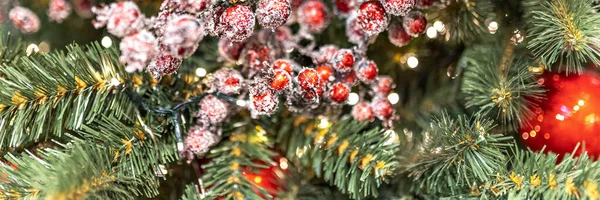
{"points": [[431, 32], [32, 48], [560, 117], [353, 99], [257, 179], [439, 26], [283, 163], [106, 42], [576, 108], [493, 27], [581, 103], [201, 72], [412, 62], [324, 123], [393, 98]]}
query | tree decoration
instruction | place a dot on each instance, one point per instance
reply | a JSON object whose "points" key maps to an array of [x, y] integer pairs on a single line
{"points": [[363, 112], [397, 35], [181, 36], [137, 50], [272, 14], [313, 16], [24, 19], [281, 80], [121, 19], [228, 81], [398, 7], [212, 110], [325, 73], [366, 71], [354, 31], [372, 17], [237, 23], [199, 140], [339, 92], [284, 64], [414, 23], [345, 7], [229, 50], [343, 60], [263, 101], [163, 64], [59, 10]]}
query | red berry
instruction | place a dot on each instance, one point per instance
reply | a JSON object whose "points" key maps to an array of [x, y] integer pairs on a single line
{"points": [[237, 23], [313, 15], [398, 7], [343, 61], [230, 50], [212, 110], [309, 79], [273, 13], [415, 23], [212, 18], [325, 72], [367, 71], [382, 108], [281, 79], [181, 36], [256, 55], [397, 35], [344, 7], [283, 64], [384, 86], [339, 92], [325, 54], [263, 100], [372, 17], [162, 65], [362, 112], [424, 4], [348, 78], [228, 81], [354, 31]]}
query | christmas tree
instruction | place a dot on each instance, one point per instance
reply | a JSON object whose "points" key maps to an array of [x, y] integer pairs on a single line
{"points": [[299, 99]]}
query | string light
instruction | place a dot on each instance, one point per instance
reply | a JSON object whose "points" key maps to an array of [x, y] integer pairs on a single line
{"points": [[241, 103], [115, 82], [32, 48], [439, 26], [431, 32], [324, 123], [106, 42], [412, 62], [493, 27], [201, 72], [393, 98], [44, 47], [283, 163], [392, 137], [353, 98]]}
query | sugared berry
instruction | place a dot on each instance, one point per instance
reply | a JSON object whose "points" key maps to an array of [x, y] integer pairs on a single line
{"points": [[308, 79], [397, 35], [339, 92], [272, 14], [372, 17], [398, 7], [313, 16], [343, 61], [237, 23], [281, 80], [366, 71], [414, 23], [362, 112], [325, 72]]}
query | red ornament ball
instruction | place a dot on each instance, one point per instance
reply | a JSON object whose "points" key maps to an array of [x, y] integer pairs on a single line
{"points": [[363, 112], [313, 16], [345, 7], [372, 17], [384, 86], [182, 36], [199, 140], [415, 23], [212, 110], [398, 7], [24, 19], [162, 65], [569, 115], [237, 23], [343, 61], [367, 71], [284, 64], [355, 32], [263, 100], [230, 50], [137, 50], [228, 81], [397, 35], [272, 14], [59, 10], [281, 80], [382, 109], [325, 54], [325, 73], [339, 92], [308, 79]]}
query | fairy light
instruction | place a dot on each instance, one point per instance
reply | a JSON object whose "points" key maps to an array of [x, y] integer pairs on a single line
{"points": [[392, 137], [257, 179], [44, 47], [32, 48], [241, 103], [201, 72], [115, 82], [412, 62], [283, 163], [106, 42], [431, 32], [493, 27], [324, 123], [581, 102], [393, 98], [560, 117], [439, 26], [353, 98]]}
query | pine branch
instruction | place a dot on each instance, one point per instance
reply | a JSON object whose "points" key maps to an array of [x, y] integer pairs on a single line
{"points": [[564, 32], [464, 20], [10, 48], [348, 155], [457, 154]]}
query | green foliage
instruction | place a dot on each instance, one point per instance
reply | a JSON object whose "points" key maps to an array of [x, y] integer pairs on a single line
{"points": [[564, 31], [10, 48], [354, 158], [464, 20], [457, 154], [191, 193], [43, 95], [500, 83]]}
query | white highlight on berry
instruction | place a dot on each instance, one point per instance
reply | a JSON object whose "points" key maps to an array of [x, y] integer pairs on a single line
{"points": [[32, 48], [394, 98], [412, 62], [353, 98], [493, 27], [439, 26], [431, 32], [241, 103], [106, 42], [201, 72]]}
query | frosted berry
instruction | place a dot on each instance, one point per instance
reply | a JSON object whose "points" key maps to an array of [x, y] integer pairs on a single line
{"points": [[263, 100], [83, 8], [281, 80], [182, 36], [162, 65], [257, 56], [382, 108], [199, 140], [192, 6], [24, 19], [362, 112], [398, 7], [230, 50], [348, 78], [212, 110], [397, 35], [372, 17], [339, 92], [120, 19], [414, 23], [229, 81], [384, 86], [424, 4], [237, 23], [345, 7], [343, 61], [59, 10], [355, 32], [212, 18], [313, 16], [366, 71], [283, 64], [325, 73], [137, 50], [308, 79], [272, 14], [325, 54]]}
